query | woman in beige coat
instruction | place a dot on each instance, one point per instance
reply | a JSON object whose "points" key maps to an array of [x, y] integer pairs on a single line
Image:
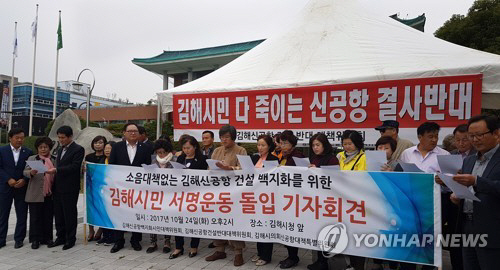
{"points": [[39, 195]]}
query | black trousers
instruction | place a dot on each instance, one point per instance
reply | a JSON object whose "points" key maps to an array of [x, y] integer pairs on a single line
{"points": [[179, 242], [41, 220], [265, 251], [66, 216], [120, 237], [478, 258], [17, 195], [293, 252], [449, 215]]}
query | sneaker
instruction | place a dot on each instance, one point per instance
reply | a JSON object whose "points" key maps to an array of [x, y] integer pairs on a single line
{"points": [[101, 241]]}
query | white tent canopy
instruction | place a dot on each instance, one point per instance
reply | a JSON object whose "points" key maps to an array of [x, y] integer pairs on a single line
{"points": [[340, 41]]}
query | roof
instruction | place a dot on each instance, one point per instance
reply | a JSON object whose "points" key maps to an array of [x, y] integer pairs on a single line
{"points": [[339, 42], [417, 23], [168, 56]]}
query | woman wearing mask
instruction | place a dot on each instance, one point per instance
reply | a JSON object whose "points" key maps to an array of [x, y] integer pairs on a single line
{"points": [[163, 154], [39, 195], [193, 159], [265, 147]]}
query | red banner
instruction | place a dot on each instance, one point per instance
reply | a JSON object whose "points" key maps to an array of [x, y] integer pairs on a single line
{"points": [[449, 101]]}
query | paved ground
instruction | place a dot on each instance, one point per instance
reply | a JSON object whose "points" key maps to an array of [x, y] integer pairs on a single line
{"points": [[98, 257]]}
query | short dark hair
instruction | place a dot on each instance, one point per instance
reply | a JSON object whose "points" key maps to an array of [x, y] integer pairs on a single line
{"points": [[228, 129], [192, 141], [321, 137], [269, 140], [129, 124], [387, 140], [209, 132], [277, 137], [44, 140], [96, 139], [161, 143], [491, 121], [355, 137], [112, 143], [287, 135], [460, 128], [427, 127], [15, 131], [65, 130], [141, 129]]}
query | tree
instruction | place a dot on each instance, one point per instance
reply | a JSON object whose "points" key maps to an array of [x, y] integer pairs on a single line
{"points": [[480, 29], [165, 129]]}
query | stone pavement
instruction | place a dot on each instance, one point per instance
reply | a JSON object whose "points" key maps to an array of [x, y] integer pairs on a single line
{"points": [[98, 257]]}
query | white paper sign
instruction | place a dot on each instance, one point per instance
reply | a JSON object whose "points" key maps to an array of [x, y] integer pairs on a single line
{"points": [[245, 162], [150, 167], [270, 163], [461, 191], [37, 165], [409, 167], [177, 165], [450, 163], [301, 162], [375, 160], [211, 164]]}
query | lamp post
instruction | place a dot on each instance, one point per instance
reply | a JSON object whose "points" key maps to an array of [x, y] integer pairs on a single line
{"points": [[78, 85]]}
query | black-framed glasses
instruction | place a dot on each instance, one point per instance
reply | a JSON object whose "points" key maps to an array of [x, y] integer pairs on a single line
{"points": [[478, 136]]}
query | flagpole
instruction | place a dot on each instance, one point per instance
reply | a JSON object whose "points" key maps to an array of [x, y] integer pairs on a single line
{"points": [[33, 80], [11, 90], [57, 69]]}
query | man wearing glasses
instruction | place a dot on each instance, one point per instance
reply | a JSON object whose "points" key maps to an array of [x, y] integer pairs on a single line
{"points": [[391, 128], [129, 152], [481, 173]]}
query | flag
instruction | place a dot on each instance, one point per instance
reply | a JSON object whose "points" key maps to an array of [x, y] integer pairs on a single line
{"points": [[59, 34], [15, 42], [34, 27]]}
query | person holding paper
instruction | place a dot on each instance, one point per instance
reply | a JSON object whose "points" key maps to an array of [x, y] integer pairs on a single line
{"points": [[391, 128], [13, 186], [288, 142], [265, 146], [39, 195], [66, 188], [97, 145], [387, 144], [353, 158], [424, 156], [321, 154], [164, 154], [228, 160], [193, 159], [481, 173]]}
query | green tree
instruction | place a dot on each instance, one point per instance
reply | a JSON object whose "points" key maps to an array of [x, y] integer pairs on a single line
{"points": [[479, 29], [166, 129]]}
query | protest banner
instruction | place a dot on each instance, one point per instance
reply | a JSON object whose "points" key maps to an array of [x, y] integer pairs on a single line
{"points": [[331, 109], [312, 208]]}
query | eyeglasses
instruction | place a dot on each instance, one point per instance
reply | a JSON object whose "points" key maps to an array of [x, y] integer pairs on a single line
{"points": [[132, 131], [478, 136]]}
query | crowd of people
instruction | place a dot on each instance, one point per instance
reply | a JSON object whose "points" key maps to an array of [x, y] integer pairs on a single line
{"points": [[54, 194]]}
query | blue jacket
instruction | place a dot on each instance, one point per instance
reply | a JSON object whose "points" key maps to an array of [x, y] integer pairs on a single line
{"points": [[8, 168]]}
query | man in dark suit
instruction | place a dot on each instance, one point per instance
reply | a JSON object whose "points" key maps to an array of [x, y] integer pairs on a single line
{"points": [[66, 188], [481, 173], [129, 152], [13, 186], [143, 137]]}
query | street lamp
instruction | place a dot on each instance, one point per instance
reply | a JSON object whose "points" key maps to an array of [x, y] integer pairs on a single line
{"points": [[78, 86]]}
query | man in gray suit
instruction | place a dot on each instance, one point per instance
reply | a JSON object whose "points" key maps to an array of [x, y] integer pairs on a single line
{"points": [[481, 173]]}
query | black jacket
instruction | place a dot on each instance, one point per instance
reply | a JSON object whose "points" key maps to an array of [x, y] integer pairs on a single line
{"points": [[199, 163], [255, 158], [119, 154], [67, 179], [485, 213]]}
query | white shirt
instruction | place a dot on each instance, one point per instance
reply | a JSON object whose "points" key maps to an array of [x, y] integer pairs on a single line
{"points": [[16, 153], [131, 150], [429, 163], [65, 148]]}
